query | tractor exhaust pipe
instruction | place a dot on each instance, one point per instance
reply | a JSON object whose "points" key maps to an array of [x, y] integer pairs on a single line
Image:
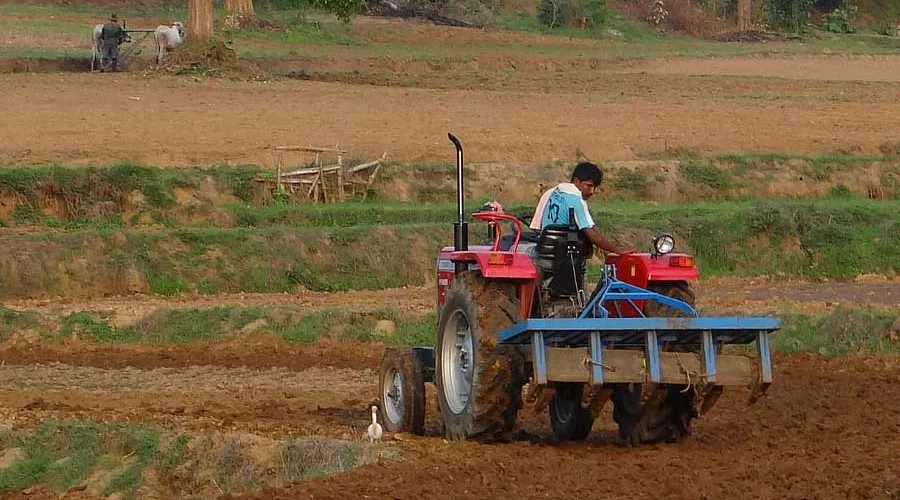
{"points": [[460, 227]]}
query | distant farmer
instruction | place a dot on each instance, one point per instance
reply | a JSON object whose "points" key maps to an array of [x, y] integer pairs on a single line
{"points": [[111, 36]]}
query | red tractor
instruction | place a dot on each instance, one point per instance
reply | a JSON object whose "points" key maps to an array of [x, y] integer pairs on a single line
{"points": [[515, 326]]}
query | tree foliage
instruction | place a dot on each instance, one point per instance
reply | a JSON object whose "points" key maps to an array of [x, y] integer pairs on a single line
{"points": [[789, 15], [343, 9], [840, 20]]}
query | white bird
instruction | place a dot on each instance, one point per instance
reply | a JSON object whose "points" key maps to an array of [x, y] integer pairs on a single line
{"points": [[374, 431]]}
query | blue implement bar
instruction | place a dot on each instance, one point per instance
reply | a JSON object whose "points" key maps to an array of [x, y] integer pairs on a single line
{"points": [[518, 333], [766, 356]]}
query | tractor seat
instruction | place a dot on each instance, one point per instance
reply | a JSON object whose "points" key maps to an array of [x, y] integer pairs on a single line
{"points": [[555, 262]]}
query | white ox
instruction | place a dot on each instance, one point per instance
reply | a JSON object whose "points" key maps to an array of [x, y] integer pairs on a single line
{"points": [[167, 38]]}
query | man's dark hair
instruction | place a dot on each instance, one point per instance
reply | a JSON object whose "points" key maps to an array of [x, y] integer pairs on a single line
{"points": [[587, 171]]}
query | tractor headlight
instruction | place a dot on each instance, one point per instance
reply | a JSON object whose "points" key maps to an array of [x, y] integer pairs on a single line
{"points": [[663, 244]]}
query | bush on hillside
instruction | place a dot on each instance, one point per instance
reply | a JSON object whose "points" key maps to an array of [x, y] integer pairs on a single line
{"points": [[840, 20], [582, 14]]}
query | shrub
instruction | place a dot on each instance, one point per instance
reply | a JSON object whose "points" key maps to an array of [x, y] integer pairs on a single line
{"points": [[582, 14], [886, 28], [840, 19], [788, 15]]}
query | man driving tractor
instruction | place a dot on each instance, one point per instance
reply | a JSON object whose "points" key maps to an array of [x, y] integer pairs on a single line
{"points": [[553, 208]]}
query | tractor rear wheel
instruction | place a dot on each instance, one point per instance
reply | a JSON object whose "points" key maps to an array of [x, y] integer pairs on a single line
{"points": [[670, 419], [569, 420], [479, 383], [402, 391]]}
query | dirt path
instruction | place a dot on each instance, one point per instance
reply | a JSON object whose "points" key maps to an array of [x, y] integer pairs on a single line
{"points": [[861, 68], [713, 296], [235, 122]]}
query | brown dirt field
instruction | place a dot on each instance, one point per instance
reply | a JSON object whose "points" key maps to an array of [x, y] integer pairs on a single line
{"points": [[179, 121], [840, 416], [827, 429], [863, 68]]}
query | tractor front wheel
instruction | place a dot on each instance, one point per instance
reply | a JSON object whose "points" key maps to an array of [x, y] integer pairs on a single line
{"points": [[402, 391], [478, 382]]}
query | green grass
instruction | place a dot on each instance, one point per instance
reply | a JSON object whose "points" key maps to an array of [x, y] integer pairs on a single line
{"points": [[15, 321], [46, 28], [95, 198], [314, 457], [45, 53], [114, 183], [299, 30], [341, 215], [63, 454], [844, 332], [837, 238], [102, 13], [60, 454], [293, 324]]}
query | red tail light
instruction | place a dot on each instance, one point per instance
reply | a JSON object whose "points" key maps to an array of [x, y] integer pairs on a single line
{"points": [[681, 261], [502, 259]]}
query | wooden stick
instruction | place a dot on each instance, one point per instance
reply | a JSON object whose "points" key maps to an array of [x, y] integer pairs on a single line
{"points": [[372, 163], [278, 184], [313, 187], [340, 174], [322, 180], [371, 178], [292, 182], [309, 149], [364, 166], [309, 171]]}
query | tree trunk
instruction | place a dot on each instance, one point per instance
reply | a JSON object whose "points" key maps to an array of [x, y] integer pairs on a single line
{"points": [[200, 19], [244, 8], [744, 13]]}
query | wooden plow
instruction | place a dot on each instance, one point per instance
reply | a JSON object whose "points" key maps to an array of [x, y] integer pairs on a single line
{"points": [[324, 183], [132, 50]]}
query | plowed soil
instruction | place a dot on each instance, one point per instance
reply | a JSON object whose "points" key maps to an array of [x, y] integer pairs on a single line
{"points": [[541, 113], [826, 429]]}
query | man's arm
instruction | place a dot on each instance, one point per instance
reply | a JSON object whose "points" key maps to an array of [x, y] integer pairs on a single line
{"points": [[586, 224], [601, 242]]}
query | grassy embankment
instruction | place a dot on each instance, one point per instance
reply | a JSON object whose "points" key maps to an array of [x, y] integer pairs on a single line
{"points": [[128, 228], [106, 459]]}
